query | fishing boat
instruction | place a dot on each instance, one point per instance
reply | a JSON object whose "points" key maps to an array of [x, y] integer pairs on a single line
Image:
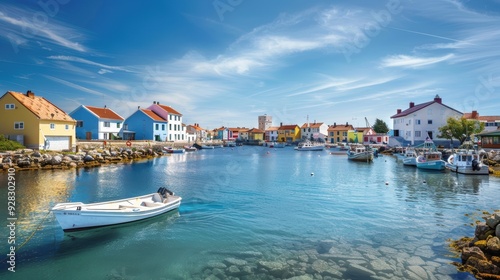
{"points": [[310, 146], [431, 160], [78, 216], [467, 162], [172, 150], [359, 153], [409, 157]]}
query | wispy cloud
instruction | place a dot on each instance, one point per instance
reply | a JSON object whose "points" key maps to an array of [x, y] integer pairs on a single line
{"points": [[73, 85], [406, 61], [21, 28], [88, 62]]}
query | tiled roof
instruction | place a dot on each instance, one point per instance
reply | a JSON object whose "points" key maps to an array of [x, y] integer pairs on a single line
{"points": [[287, 127], [104, 113], [169, 109], [340, 127], [272, 128], [475, 116], [41, 107], [152, 115], [418, 107], [256, 130], [312, 125]]}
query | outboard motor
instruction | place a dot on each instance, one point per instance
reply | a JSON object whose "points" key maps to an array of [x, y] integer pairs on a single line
{"points": [[475, 165]]}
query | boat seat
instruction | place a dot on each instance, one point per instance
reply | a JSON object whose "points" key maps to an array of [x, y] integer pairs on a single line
{"points": [[157, 198], [150, 204]]}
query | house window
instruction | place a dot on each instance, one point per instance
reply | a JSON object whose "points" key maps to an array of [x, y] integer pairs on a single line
{"points": [[170, 127], [9, 106], [163, 127], [19, 125], [418, 134], [52, 126], [118, 125], [429, 121], [170, 117], [66, 127], [125, 126], [417, 121], [79, 123], [107, 124], [157, 126]]}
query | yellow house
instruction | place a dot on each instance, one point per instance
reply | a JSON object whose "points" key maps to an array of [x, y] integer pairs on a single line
{"points": [[355, 136], [288, 133], [256, 134], [35, 122], [338, 133]]}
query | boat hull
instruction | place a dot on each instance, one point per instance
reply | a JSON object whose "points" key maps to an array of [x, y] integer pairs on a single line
{"points": [[365, 156], [484, 170], [431, 165], [79, 216], [411, 161]]}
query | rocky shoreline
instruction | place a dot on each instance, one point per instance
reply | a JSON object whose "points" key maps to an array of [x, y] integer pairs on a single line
{"points": [[481, 254], [90, 156]]}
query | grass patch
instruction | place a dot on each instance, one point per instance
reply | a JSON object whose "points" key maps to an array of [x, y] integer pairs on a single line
{"points": [[9, 145]]}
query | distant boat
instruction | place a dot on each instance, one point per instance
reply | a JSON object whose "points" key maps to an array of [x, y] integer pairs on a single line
{"points": [[171, 150], [276, 145], [360, 153], [207, 147], [78, 215], [310, 146], [190, 148], [467, 162], [230, 144]]}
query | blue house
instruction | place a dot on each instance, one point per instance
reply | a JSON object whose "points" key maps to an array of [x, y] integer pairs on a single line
{"points": [[144, 124], [96, 123]]}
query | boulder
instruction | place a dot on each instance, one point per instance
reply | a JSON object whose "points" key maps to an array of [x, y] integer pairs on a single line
{"points": [[483, 231], [472, 252], [36, 154], [88, 158], [497, 230], [493, 245], [493, 220], [56, 160], [23, 162]]}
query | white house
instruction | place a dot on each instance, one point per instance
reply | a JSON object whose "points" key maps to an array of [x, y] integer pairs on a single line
{"points": [[176, 131], [314, 130], [271, 134], [420, 121], [491, 123]]}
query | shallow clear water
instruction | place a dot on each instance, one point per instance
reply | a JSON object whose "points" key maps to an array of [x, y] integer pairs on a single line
{"points": [[252, 213]]}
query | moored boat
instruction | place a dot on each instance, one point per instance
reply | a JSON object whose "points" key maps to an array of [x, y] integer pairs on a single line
{"points": [[172, 150], [431, 160], [359, 153], [310, 146], [409, 157], [467, 162], [190, 148], [78, 215]]}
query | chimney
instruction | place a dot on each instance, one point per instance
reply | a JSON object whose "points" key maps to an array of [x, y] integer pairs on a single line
{"points": [[346, 123], [474, 115], [138, 107], [412, 104], [437, 99], [281, 124], [398, 111], [334, 124], [30, 94]]}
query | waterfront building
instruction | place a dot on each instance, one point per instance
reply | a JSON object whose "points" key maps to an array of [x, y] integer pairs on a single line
{"points": [[490, 140], [491, 123], [338, 133], [96, 123], [265, 122], [314, 131], [200, 134], [420, 121], [144, 124], [288, 133], [271, 134], [243, 134], [256, 134], [175, 130], [35, 122]]}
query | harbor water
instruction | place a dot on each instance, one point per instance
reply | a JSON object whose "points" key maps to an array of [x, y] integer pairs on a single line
{"points": [[250, 213]]}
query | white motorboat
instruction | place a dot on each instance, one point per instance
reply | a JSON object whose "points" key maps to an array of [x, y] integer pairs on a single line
{"points": [[78, 215], [467, 162], [409, 156], [310, 146]]}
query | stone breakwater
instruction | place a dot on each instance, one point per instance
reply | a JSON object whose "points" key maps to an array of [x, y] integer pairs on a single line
{"points": [[27, 159], [481, 254]]}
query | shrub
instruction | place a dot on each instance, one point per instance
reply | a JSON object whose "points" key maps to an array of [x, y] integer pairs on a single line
{"points": [[9, 145]]}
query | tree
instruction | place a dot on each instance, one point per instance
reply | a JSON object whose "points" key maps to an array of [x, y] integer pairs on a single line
{"points": [[460, 129], [380, 126]]}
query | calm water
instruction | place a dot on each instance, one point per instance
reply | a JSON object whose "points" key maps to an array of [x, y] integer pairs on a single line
{"points": [[252, 213]]}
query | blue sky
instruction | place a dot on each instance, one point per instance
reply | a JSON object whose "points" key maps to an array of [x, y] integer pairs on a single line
{"points": [[225, 62]]}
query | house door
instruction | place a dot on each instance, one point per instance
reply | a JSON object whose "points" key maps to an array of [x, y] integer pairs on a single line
{"points": [[88, 135], [430, 134]]}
